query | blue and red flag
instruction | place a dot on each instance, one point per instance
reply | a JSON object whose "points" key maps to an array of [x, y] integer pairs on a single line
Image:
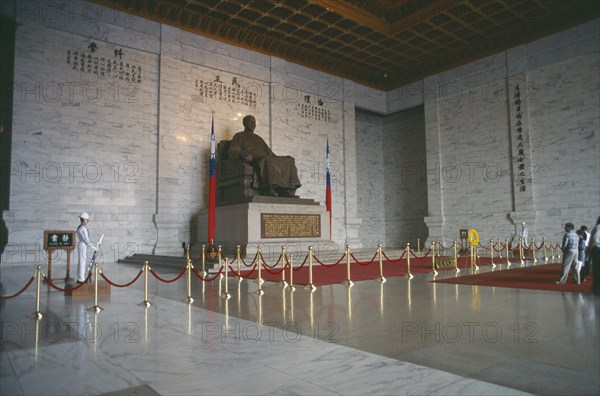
{"points": [[212, 187], [328, 188]]}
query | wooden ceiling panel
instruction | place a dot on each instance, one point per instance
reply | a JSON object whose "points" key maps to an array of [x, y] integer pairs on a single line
{"points": [[379, 43]]}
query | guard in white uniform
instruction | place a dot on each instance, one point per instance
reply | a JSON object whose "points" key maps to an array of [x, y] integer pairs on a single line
{"points": [[83, 237]]}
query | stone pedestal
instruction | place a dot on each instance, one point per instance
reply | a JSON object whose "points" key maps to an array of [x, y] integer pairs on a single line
{"points": [[271, 222]]}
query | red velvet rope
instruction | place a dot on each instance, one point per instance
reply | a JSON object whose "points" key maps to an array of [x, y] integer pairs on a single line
{"points": [[123, 285], [168, 280], [277, 272], [267, 265], [248, 275], [17, 294], [302, 265], [365, 263], [52, 285], [253, 261], [208, 279], [329, 265], [393, 261]]}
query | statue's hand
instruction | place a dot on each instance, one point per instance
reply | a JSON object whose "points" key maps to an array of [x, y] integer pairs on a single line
{"points": [[246, 156]]}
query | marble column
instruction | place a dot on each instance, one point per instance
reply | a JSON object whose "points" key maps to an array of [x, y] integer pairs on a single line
{"points": [[435, 220], [353, 221]]}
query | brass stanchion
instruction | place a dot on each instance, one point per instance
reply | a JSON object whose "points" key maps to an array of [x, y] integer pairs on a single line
{"points": [[259, 280], [292, 287], [507, 253], [455, 245], [410, 276], [348, 282], [283, 282], [521, 251], [226, 294], [145, 303], [96, 308], [189, 298], [310, 286], [220, 254], [535, 260], [552, 250], [418, 244], [239, 264], [492, 253], [545, 252], [499, 253], [381, 277], [37, 315], [433, 258], [203, 260]]}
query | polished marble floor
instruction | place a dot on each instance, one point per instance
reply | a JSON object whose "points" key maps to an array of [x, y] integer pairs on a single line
{"points": [[400, 337]]}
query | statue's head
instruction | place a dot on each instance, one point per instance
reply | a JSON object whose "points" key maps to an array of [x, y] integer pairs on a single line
{"points": [[249, 123]]}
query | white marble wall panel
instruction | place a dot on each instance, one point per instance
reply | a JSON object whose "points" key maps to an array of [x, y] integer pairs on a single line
{"points": [[405, 180], [91, 21], [305, 114], [565, 125], [370, 173], [184, 149], [80, 142]]}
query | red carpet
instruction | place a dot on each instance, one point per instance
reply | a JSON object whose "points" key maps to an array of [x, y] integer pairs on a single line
{"points": [[540, 277], [326, 275]]}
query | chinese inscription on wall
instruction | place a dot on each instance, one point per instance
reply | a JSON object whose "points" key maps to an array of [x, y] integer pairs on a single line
{"points": [[314, 109], [229, 93], [520, 144], [113, 66]]}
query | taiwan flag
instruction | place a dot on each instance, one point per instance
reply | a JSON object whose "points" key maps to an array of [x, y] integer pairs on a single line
{"points": [[328, 188], [212, 188]]}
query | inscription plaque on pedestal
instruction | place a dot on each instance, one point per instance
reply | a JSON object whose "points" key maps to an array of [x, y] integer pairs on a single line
{"points": [[284, 225]]}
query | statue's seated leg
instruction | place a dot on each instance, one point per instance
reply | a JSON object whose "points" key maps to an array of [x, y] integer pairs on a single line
{"points": [[288, 192], [271, 191]]}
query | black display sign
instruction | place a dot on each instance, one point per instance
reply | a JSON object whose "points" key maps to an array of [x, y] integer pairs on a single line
{"points": [[59, 240]]}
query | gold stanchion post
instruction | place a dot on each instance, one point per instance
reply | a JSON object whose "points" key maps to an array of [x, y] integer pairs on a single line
{"points": [[418, 244], [203, 260], [521, 251], [283, 261], [145, 303], [492, 253], [381, 277], [189, 298], [545, 252], [348, 282], [455, 245], [410, 276], [507, 253], [433, 258], [259, 280], [226, 294], [239, 264], [96, 308], [37, 315], [535, 260], [292, 288], [310, 285]]}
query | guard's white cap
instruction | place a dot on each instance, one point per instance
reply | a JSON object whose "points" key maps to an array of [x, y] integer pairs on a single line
{"points": [[84, 215]]}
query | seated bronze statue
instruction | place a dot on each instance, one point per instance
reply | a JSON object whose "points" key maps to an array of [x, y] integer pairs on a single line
{"points": [[248, 160]]}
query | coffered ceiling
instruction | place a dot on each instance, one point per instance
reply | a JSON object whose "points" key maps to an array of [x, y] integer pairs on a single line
{"points": [[379, 43]]}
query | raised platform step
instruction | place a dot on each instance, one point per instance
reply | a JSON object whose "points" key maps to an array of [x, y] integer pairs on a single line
{"points": [[177, 262]]}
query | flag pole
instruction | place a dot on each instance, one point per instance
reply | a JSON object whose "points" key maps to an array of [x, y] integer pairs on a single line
{"points": [[212, 189]]}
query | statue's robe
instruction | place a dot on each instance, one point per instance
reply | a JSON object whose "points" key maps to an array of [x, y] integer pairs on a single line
{"points": [[275, 171]]}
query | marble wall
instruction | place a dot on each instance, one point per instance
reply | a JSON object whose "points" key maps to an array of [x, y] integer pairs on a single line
{"points": [[514, 138], [135, 154]]}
